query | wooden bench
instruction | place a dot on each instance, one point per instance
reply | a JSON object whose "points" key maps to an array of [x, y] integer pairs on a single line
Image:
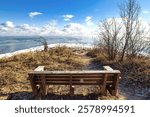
{"points": [[107, 79]]}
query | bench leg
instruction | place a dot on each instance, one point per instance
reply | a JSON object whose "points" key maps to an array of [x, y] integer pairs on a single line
{"points": [[43, 86], [104, 89], [112, 91], [33, 86], [115, 92], [105, 92], [40, 95], [34, 90], [114, 88], [71, 91], [71, 88]]}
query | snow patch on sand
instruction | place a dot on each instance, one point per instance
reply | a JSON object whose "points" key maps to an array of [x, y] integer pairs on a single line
{"points": [[39, 48]]}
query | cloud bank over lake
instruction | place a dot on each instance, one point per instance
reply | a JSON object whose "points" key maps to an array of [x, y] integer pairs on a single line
{"points": [[9, 28]]}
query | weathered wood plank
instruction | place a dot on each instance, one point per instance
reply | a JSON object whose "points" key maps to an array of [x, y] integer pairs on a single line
{"points": [[73, 75], [75, 72], [53, 78], [75, 82]]}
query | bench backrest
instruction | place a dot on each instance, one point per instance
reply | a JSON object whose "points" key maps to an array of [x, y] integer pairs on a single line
{"points": [[74, 77], [105, 77]]}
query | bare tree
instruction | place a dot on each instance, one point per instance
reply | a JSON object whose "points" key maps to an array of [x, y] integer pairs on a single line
{"points": [[129, 12], [127, 37], [109, 38]]}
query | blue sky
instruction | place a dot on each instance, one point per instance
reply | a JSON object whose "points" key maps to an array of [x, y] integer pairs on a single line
{"points": [[17, 10], [41, 12]]}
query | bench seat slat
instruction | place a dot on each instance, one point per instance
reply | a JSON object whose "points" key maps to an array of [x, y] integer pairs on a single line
{"points": [[74, 82], [64, 76], [75, 78], [77, 84], [88, 76]]}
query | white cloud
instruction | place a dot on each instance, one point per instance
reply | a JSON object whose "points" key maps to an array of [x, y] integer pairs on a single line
{"points": [[28, 28], [8, 24], [88, 21], [73, 28], [50, 29], [145, 11], [68, 17], [76, 29], [33, 14], [3, 29]]}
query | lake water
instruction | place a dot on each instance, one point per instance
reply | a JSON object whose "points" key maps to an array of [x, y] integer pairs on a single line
{"points": [[12, 43]]}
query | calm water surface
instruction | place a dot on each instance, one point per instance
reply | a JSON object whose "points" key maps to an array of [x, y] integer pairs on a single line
{"points": [[13, 43]]}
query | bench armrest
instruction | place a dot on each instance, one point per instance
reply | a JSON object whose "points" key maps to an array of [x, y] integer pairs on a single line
{"points": [[108, 68], [39, 68]]}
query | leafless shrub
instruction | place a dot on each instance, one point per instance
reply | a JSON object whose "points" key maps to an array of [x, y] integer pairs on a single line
{"points": [[109, 37], [44, 42]]}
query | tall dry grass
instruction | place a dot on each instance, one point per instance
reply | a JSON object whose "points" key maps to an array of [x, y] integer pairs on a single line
{"points": [[14, 70]]}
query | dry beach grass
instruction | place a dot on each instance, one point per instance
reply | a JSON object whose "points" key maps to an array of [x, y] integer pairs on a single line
{"points": [[13, 75], [135, 73], [14, 83]]}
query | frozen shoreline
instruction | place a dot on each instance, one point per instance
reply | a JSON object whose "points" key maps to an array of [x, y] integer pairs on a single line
{"points": [[39, 48]]}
